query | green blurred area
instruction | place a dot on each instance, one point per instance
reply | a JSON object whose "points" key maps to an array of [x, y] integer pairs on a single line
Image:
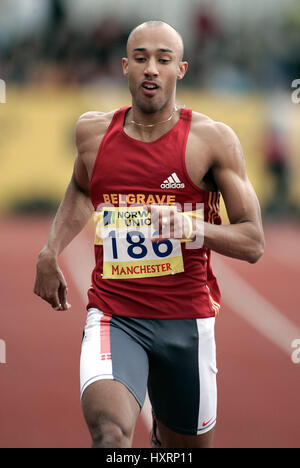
{"points": [[37, 148]]}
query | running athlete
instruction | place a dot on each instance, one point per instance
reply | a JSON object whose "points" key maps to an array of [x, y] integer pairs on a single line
{"points": [[153, 299]]}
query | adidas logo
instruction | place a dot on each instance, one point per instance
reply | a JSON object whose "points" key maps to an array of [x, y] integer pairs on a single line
{"points": [[172, 182]]}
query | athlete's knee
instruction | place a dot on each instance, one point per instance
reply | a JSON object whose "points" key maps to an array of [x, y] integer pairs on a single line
{"points": [[107, 433]]}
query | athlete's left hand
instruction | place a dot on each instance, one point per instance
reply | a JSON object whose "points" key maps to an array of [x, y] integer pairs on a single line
{"points": [[168, 223]]}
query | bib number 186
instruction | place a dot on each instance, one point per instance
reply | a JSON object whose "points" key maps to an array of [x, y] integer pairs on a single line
{"points": [[137, 248]]}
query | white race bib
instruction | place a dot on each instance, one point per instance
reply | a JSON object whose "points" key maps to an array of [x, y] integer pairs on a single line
{"points": [[128, 251]]}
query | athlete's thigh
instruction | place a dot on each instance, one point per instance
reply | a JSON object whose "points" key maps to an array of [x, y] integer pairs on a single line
{"points": [[113, 372], [182, 378]]}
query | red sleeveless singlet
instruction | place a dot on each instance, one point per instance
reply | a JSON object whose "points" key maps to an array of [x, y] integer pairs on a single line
{"points": [[133, 277]]}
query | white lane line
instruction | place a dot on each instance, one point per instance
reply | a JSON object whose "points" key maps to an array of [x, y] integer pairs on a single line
{"points": [[245, 301], [79, 258]]}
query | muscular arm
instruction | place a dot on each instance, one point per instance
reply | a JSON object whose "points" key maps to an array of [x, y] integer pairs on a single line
{"points": [[243, 238], [73, 214]]}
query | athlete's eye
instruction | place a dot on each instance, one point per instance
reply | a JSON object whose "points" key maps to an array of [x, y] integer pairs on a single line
{"points": [[164, 61], [140, 59]]}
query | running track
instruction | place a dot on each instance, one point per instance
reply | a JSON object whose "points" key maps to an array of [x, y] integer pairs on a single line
{"points": [[258, 384]]}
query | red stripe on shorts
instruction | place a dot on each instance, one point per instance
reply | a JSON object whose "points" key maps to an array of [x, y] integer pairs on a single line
{"points": [[105, 352]]}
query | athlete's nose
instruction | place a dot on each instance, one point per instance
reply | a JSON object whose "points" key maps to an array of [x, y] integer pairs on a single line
{"points": [[151, 68]]}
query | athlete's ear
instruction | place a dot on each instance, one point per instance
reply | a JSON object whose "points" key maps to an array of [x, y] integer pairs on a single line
{"points": [[125, 66], [182, 68]]}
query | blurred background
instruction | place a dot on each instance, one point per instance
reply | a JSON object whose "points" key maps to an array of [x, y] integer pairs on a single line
{"points": [[60, 58]]}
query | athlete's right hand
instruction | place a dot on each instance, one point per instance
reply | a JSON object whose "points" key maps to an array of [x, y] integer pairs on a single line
{"points": [[50, 283]]}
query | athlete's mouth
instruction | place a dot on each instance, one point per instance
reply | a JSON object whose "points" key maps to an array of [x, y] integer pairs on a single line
{"points": [[149, 85], [149, 88]]}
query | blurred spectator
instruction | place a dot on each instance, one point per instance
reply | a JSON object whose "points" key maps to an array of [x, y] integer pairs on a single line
{"points": [[207, 33], [207, 26], [62, 55], [276, 159], [41, 41], [276, 152]]}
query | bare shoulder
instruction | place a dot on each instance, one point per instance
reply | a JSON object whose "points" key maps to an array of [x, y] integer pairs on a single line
{"points": [[220, 139], [91, 126]]}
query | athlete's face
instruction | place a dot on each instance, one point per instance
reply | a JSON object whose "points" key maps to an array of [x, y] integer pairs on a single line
{"points": [[153, 66]]}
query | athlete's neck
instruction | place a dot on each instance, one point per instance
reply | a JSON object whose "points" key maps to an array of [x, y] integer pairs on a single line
{"points": [[150, 126]]}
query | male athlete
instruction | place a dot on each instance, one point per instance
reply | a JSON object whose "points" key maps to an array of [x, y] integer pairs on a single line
{"points": [[153, 300]]}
